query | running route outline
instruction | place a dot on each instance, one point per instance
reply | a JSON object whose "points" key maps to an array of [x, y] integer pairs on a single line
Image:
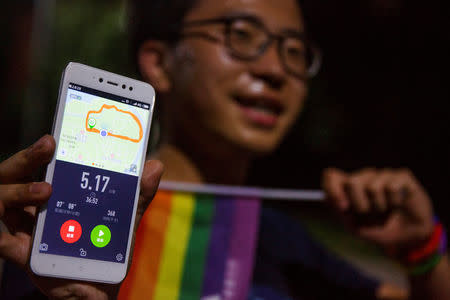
{"points": [[95, 130]]}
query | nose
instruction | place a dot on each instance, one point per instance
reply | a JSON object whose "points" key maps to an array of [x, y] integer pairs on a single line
{"points": [[269, 68]]}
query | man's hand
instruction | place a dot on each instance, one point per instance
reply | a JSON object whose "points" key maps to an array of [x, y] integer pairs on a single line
{"points": [[388, 207], [19, 199]]}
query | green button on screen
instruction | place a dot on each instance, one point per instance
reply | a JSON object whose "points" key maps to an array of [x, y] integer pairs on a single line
{"points": [[100, 236]]}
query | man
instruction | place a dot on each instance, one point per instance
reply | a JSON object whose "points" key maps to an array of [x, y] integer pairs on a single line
{"points": [[231, 77]]}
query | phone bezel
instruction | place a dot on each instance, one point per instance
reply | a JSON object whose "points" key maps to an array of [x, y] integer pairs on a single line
{"points": [[82, 268]]}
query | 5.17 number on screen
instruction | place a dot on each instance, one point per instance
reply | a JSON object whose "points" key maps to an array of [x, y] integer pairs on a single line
{"points": [[98, 178]]}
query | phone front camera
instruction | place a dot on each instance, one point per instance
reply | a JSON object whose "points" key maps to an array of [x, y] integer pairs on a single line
{"points": [[100, 79], [131, 88], [124, 86]]}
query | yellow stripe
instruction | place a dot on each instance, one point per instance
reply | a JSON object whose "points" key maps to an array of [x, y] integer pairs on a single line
{"points": [[177, 238]]}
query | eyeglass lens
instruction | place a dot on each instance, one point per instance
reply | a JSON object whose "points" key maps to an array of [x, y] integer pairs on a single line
{"points": [[248, 40]]}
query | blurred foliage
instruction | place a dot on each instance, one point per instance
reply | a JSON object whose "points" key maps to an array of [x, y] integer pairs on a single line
{"points": [[88, 32]]}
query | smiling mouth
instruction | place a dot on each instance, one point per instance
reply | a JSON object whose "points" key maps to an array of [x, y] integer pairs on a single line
{"points": [[259, 110]]}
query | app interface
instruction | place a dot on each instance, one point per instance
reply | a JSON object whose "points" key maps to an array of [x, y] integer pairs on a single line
{"points": [[98, 161]]}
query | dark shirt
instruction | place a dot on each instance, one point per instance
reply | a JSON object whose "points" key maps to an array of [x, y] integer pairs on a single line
{"points": [[291, 265]]}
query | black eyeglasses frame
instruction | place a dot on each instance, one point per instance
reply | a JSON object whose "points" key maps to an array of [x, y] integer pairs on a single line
{"points": [[313, 54]]}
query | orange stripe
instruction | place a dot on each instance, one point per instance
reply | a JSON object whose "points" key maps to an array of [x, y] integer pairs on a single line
{"points": [[141, 284]]}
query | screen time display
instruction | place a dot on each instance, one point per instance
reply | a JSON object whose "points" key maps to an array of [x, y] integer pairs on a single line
{"points": [[98, 161]]}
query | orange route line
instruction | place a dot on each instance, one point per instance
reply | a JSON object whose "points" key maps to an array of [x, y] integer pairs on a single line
{"points": [[141, 132]]}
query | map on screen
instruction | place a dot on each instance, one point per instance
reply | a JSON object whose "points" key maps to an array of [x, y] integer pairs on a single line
{"points": [[102, 133]]}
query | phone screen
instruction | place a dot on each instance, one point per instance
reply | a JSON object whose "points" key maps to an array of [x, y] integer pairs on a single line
{"points": [[98, 161]]}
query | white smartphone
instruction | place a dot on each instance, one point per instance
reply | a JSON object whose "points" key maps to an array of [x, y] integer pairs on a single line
{"points": [[101, 128]]}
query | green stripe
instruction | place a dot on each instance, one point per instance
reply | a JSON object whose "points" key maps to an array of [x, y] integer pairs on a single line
{"points": [[194, 264], [426, 266]]}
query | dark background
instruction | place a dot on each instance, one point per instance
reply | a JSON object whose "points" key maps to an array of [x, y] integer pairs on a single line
{"points": [[381, 98]]}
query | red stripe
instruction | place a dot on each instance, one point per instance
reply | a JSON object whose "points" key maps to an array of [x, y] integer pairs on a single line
{"points": [[429, 248]]}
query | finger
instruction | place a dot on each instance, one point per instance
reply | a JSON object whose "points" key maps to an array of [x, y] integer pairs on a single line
{"points": [[151, 176], [14, 248], [20, 195], [333, 185], [400, 187], [391, 234], [405, 192], [356, 190], [19, 220], [396, 191], [385, 234], [374, 234], [25, 162], [376, 190], [391, 291]]}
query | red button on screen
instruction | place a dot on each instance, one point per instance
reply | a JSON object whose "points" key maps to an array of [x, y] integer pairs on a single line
{"points": [[70, 231]]}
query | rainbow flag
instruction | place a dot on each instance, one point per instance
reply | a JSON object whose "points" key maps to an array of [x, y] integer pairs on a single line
{"points": [[193, 245]]}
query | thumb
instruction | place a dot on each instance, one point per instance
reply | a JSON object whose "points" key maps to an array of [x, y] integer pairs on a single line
{"points": [[153, 170]]}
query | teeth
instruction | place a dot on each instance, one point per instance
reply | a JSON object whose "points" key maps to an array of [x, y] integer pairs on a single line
{"points": [[259, 106], [263, 109]]}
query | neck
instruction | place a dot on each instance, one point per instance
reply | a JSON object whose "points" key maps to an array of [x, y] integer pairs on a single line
{"points": [[197, 164]]}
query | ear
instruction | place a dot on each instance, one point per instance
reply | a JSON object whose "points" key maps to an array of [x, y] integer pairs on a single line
{"points": [[152, 64]]}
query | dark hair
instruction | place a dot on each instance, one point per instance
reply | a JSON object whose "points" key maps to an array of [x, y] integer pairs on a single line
{"points": [[157, 20]]}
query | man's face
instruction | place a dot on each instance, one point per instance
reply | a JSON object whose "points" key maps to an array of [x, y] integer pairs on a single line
{"points": [[247, 104]]}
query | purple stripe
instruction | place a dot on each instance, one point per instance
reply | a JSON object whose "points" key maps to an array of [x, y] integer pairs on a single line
{"points": [[239, 264], [218, 247]]}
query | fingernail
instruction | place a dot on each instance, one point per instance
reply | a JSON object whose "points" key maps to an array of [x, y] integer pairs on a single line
{"points": [[38, 145], [37, 187]]}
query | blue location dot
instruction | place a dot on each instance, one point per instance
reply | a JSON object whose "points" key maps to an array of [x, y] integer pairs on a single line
{"points": [[103, 133]]}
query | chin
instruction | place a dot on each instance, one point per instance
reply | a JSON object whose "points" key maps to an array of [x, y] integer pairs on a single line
{"points": [[259, 146], [259, 139], [252, 140]]}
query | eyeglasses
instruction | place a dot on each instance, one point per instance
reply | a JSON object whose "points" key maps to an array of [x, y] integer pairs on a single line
{"points": [[247, 38]]}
